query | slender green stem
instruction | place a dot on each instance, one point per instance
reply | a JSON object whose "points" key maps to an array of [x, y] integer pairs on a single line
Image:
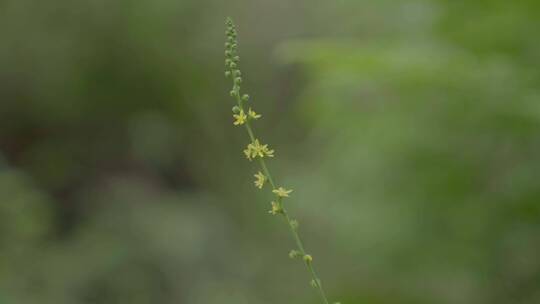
{"points": [[292, 228], [267, 173], [309, 265]]}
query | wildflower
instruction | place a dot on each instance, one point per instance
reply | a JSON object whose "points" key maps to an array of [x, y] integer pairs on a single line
{"points": [[260, 180], [240, 118], [261, 150], [255, 149], [276, 209], [281, 192], [253, 115]]}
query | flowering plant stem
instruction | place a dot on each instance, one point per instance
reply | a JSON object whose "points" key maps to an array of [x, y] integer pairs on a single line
{"points": [[292, 227], [256, 150]]}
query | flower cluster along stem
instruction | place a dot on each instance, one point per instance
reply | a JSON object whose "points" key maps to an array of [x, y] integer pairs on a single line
{"points": [[260, 151]]}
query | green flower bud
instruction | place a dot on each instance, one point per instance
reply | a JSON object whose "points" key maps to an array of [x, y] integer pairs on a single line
{"points": [[236, 109], [308, 258], [294, 254], [233, 93], [238, 80], [227, 73], [232, 65], [245, 97]]}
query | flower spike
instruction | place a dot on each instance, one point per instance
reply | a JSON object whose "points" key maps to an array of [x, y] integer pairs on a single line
{"points": [[261, 151]]}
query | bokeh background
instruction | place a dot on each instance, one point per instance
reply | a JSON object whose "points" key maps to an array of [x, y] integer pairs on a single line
{"points": [[410, 131]]}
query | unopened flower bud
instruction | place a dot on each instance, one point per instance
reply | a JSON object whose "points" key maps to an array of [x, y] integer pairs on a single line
{"points": [[294, 254]]}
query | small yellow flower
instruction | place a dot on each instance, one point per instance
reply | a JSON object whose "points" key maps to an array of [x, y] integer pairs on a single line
{"points": [[253, 115], [261, 150], [281, 192], [276, 209], [255, 149], [260, 180], [240, 118]]}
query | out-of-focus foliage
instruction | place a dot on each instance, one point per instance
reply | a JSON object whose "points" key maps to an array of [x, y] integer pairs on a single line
{"points": [[408, 129]]}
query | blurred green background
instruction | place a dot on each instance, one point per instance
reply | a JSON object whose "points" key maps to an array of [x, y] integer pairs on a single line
{"points": [[410, 131]]}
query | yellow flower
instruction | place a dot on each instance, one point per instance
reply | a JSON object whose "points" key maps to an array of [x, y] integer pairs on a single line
{"points": [[253, 115], [260, 180], [276, 209], [240, 118], [281, 192], [255, 149]]}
